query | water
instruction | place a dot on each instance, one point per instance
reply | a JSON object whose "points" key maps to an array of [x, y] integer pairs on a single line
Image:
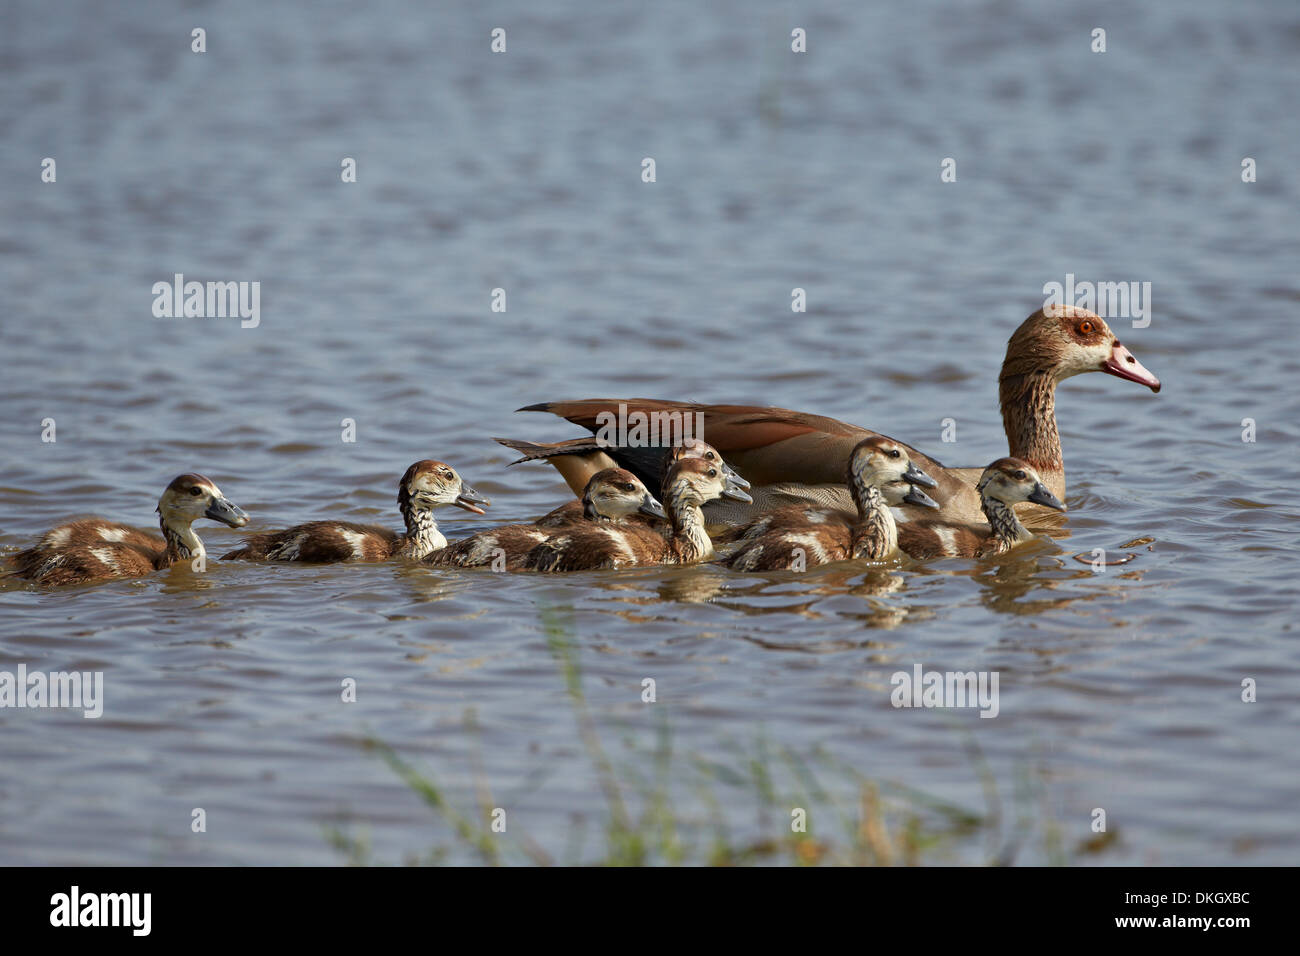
{"points": [[1120, 690]]}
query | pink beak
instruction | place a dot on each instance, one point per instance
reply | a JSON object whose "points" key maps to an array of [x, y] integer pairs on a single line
{"points": [[1123, 364]]}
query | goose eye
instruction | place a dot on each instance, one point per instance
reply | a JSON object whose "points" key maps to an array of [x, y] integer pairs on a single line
{"points": [[713, 473], [627, 486], [1020, 476], [894, 453], [196, 491], [1086, 328]]}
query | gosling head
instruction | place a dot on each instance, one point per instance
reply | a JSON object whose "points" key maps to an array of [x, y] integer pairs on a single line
{"points": [[883, 463], [1010, 481], [697, 448], [1070, 341], [693, 481], [615, 493], [190, 497], [431, 484]]}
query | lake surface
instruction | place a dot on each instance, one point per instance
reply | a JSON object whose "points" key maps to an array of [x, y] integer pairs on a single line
{"points": [[1120, 690]]}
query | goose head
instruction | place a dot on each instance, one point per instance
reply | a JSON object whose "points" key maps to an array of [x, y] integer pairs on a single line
{"points": [[616, 493], [693, 481], [431, 484], [1065, 340], [697, 448], [191, 497], [1010, 481], [883, 463]]}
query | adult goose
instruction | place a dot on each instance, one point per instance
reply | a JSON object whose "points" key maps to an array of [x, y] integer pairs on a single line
{"points": [[689, 484], [879, 474], [426, 485], [611, 497], [796, 457], [1002, 485], [95, 549]]}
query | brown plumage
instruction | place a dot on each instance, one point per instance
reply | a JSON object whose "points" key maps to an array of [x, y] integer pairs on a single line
{"points": [[1002, 485], [879, 474], [96, 549], [582, 453], [425, 486], [613, 497], [791, 455], [689, 484]]}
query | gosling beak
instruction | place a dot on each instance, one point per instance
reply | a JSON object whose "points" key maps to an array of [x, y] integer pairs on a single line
{"points": [[227, 512], [915, 496], [1123, 364], [735, 493], [469, 499], [733, 477], [649, 506], [916, 476], [1041, 496]]}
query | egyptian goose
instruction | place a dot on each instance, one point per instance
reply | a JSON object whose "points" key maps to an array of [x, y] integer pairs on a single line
{"points": [[689, 484], [579, 458], [612, 496], [95, 549], [896, 490], [879, 474], [1002, 485], [425, 486], [792, 456]]}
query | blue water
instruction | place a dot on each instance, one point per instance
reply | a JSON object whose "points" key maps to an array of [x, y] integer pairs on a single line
{"points": [[522, 171]]}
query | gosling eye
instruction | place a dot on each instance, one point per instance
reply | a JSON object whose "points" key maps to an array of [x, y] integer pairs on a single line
{"points": [[894, 453], [1019, 476], [710, 456], [626, 486], [713, 473], [195, 490], [1086, 327]]}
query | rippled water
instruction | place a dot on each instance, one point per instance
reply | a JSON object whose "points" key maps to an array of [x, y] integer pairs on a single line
{"points": [[1120, 690]]}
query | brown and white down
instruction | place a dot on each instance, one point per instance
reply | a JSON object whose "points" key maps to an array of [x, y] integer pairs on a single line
{"points": [[96, 549], [612, 497], [579, 457], [793, 456], [879, 475], [689, 484], [1002, 485], [426, 486]]}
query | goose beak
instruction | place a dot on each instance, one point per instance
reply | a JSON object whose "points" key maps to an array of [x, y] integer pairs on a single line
{"points": [[469, 499], [736, 494], [916, 476], [915, 496], [649, 506], [1041, 496], [733, 477], [227, 512], [1123, 364]]}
